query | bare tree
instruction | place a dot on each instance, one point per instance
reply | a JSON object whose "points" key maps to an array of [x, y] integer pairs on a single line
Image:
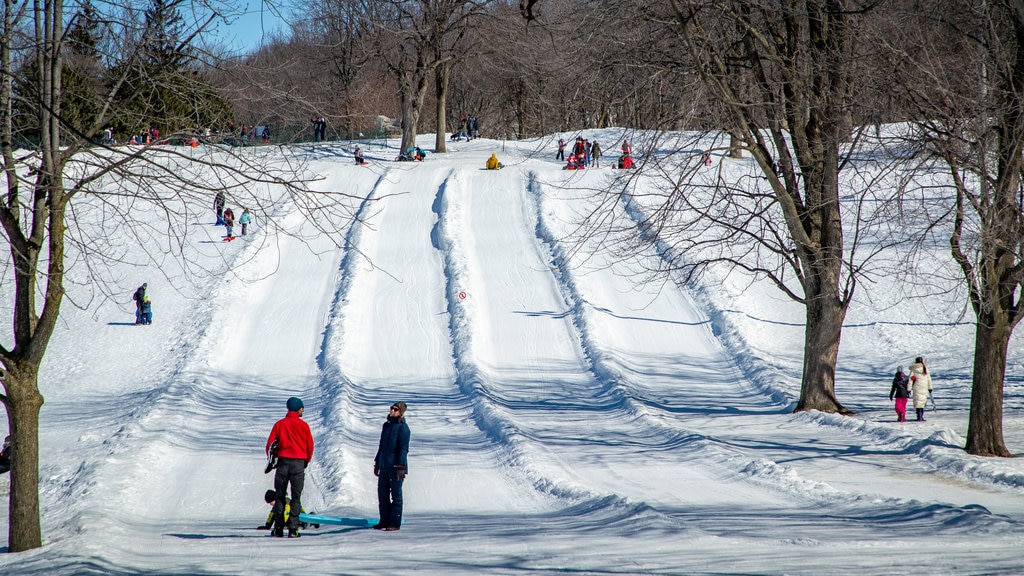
{"points": [[970, 91], [783, 72], [54, 191]]}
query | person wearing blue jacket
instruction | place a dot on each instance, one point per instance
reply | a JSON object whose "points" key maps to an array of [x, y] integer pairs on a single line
{"points": [[390, 466]]}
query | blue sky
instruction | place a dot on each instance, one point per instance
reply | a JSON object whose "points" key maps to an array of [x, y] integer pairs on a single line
{"points": [[259, 19]]}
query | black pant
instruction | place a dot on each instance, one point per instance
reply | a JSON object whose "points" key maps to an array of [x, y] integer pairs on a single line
{"points": [[389, 498], [289, 471]]}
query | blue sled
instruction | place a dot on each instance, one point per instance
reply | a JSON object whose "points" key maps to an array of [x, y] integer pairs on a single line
{"points": [[337, 520]]}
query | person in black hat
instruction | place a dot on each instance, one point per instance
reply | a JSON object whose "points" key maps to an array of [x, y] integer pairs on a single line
{"points": [[390, 466], [294, 451]]}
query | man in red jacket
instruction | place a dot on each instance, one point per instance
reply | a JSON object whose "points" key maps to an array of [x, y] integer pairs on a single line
{"points": [[294, 451]]}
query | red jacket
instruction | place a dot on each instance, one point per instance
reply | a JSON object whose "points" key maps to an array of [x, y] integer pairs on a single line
{"points": [[294, 440]]}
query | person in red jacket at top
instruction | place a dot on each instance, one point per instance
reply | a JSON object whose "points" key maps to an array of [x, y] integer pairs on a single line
{"points": [[294, 451]]}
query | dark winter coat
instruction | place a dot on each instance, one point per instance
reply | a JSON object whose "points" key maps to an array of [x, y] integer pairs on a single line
{"points": [[139, 296], [394, 445], [899, 386]]}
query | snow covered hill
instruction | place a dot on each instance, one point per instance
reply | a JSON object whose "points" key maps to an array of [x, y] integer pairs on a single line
{"points": [[564, 418]]}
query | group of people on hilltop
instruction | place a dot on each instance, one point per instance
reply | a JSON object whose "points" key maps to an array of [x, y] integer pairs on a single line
{"points": [[291, 440], [918, 385], [469, 128], [414, 153], [253, 134], [584, 153], [145, 137]]}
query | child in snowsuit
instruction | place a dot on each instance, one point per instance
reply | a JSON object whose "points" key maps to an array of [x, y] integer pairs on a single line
{"points": [[900, 392], [229, 223], [146, 312], [270, 497], [244, 220], [492, 162]]}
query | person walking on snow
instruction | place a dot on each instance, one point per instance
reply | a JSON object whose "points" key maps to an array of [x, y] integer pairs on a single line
{"points": [[390, 466], [595, 154], [294, 451], [245, 219], [229, 223], [218, 207], [561, 149], [921, 384], [900, 392]]}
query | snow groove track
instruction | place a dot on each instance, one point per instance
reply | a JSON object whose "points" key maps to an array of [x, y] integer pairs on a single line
{"points": [[539, 421]]}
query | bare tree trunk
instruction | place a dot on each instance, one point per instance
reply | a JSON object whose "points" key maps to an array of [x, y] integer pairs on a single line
{"points": [[23, 403], [413, 89], [825, 315], [441, 76], [985, 427]]}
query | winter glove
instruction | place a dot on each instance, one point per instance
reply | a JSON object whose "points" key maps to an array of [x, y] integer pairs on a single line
{"points": [[376, 469], [264, 527], [305, 465], [401, 472]]}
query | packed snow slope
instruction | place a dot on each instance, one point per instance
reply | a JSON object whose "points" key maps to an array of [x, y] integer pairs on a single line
{"points": [[565, 418]]}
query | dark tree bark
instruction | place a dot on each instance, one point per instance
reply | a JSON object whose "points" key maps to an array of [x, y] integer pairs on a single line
{"points": [[972, 106], [790, 104]]}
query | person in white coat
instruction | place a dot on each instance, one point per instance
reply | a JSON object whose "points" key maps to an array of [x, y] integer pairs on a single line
{"points": [[921, 382]]}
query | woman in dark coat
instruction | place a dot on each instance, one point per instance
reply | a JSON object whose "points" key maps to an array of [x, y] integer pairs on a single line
{"points": [[390, 466]]}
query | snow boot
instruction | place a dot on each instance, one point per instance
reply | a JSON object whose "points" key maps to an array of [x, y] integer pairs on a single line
{"points": [[920, 414]]}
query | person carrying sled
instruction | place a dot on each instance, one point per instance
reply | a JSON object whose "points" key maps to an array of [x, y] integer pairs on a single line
{"points": [[294, 452], [900, 392], [921, 386], [492, 162], [390, 466]]}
